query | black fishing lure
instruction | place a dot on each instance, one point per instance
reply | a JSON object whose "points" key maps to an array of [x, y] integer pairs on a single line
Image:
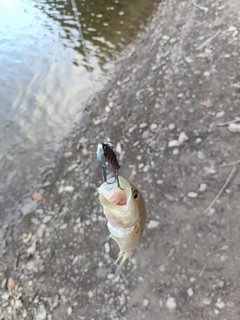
{"points": [[107, 157]]}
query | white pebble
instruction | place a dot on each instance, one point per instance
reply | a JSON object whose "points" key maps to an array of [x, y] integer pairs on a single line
{"points": [[175, 152], [234, 127], [46, 219], [152, 224], [162, 268], [190, 292], [119, 148], [90, 294], [107, 109], [145, 302], [159, 181], [220, 114], [41, 313], [172, 143], [69, 189], [203, 187], [153, 127], [171, 126], [198, 140], [192, 194], [220, 304], [207, 74], [146, 168], [216, 311], [232, 28], [171, 304], [142, 125], [69, 311], [165, 37], [207, 301], [182, 137], [107, 247]]}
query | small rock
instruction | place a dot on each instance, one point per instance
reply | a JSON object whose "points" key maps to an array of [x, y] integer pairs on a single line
{"points": [[203, 187], [234, 127], [107, 247], [162, 268], [37, 196], [153, 127], [232, 28], [230, 304], [152, 224], [190, 292], [146, 168], [206, 301], [171, 126], [207, 73], [69, 311], [192, 194], [69, 189], [220, 304], [30, 265], [41, 313], [182, 137], [173, 143], [170, 197], [216, 311], [11, 283], [171, 304], [143, 125], [207, 104], [145, 134], [68, 154], [4, 282], [119, 148], [29, 207], [40, 231], [46, 219], [72, 167], [220, 114], [175, 151], [145, 302], [198, 140], [55, 301], [165, 37], [159, 181]]}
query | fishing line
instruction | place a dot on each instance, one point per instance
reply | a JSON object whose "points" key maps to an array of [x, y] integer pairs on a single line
{"points": [[85, 52]]}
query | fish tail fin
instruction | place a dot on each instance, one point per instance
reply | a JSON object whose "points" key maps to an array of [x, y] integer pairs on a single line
{"points": [[124, 256]]}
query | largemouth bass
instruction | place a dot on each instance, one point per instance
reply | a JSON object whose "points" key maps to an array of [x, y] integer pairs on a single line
{"points": [[125, 211]]}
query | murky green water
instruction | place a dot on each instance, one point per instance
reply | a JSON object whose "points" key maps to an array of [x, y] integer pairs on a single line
{"points": [[48, 69]]}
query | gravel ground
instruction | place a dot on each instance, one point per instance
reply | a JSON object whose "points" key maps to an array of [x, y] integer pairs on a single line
{"points": [[163, 112]]}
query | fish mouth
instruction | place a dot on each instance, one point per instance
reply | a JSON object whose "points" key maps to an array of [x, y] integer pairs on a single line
{"points": [[114, 195]]}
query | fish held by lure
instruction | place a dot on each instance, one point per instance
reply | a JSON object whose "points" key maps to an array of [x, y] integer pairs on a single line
{"points": [[125, 211]]}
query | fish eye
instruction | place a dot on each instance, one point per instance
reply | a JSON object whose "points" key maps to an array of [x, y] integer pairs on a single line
{"points": [[135, 196]]}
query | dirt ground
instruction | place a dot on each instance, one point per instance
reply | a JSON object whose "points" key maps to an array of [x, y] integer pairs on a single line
{"points": [[166, 110]]}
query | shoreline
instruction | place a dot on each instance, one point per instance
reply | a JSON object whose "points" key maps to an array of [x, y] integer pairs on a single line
{"points": [[162, 108]]}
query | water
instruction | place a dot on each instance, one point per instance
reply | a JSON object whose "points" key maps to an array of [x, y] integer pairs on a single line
{"points": [[48, 71]]}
